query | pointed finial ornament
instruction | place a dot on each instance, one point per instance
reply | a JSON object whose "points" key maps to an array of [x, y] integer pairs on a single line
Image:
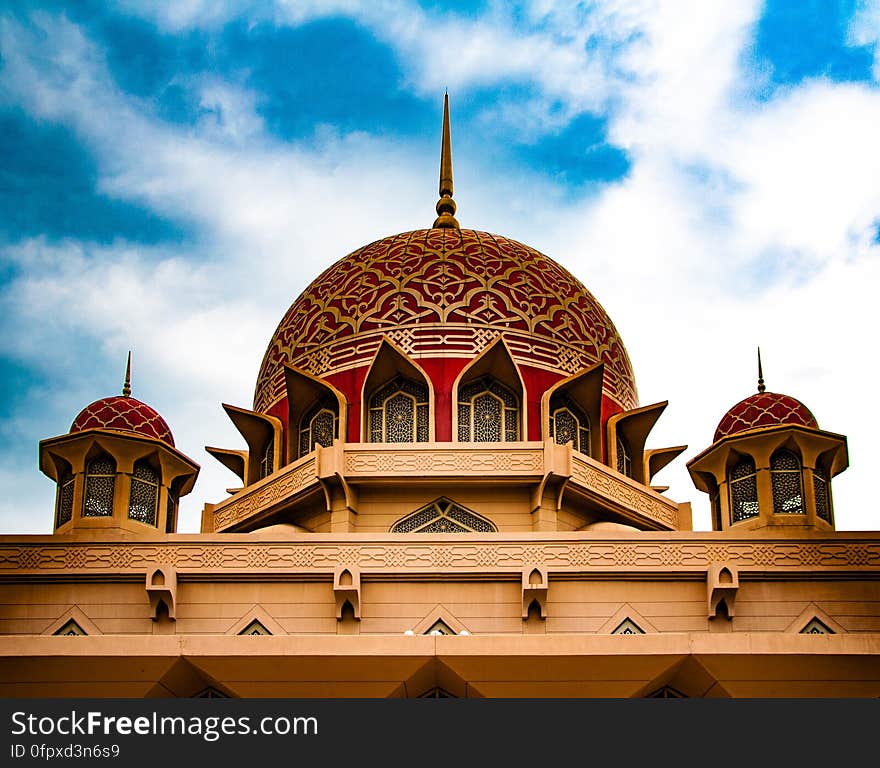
{"points": [[126, 387], [446, 205], [761, 386]]}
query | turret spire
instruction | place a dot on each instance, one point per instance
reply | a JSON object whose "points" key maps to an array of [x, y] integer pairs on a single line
{"points": [[126, 387], [446, 205], [761, 386]]}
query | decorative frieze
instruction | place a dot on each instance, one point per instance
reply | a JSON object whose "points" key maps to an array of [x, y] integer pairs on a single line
{"points": [[598, 478], [278, 487], [437, 461], [468, 554]]}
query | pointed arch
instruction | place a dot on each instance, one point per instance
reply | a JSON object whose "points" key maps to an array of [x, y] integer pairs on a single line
{"points": [[143, 497], [786, 477], [580, 392], [490, 386], [262, 433], [317, 412], [397, 398], [626, 436], [743, 484], [443, 516]]}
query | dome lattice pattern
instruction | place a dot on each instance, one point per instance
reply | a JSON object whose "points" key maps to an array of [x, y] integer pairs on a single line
{"points": [[446, 293], [124, 414], [765, 409]]}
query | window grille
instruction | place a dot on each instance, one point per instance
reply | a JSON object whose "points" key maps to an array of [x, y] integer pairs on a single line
{"points": [[65, 498], [821, 491], [785, 474], [143, 502], [624, 460], [667, 692], [210, 693], [816, 627], [437, 693], [488, 412], [743, 490], [255, 628], [628, 627], [170, 513], [569, 424], [70, 628], [443, 516], [399, 412], [267, 460], [319, 426], [100, 484], [439, 627]]}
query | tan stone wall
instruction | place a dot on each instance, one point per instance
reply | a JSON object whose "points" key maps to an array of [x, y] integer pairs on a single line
{"points": [[491, 606], [380, 507]]}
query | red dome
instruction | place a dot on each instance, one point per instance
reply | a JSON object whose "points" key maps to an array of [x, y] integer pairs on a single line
{"points": [[446, 293], [124, 414], [764, 409]]}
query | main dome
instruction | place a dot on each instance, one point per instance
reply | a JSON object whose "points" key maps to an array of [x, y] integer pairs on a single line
{"points": [[445, 292]]}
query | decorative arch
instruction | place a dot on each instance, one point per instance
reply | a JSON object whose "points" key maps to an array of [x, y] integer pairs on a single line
{"points": [[262, 433], [398, 399], [490, 392], [786, 479], [100, 485], [580, 395], [317, 412], [742, 481], [66, 487], [443, 516], [143, 498]]}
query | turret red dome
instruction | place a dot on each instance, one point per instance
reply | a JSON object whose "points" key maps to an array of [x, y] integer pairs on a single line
{"points": [[123, 414], [446, 293], [765, 409]]}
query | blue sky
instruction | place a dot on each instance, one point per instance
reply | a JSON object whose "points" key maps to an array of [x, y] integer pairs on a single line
{"points": [[173, 174]]}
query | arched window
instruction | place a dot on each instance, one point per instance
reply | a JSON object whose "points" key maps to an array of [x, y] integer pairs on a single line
{"points": [[743, 490], [399, 412], [100, 484], [443, 516], [624, 460], [64, 513], [143, 502], [822, 493], [320, 426], [785, 473], [267, 459], [488, 412], [569, 424]]}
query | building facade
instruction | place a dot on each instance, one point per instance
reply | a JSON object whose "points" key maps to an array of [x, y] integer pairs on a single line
{"points": [[445, 489]]}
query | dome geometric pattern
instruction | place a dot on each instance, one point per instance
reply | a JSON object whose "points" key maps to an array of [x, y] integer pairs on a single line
{"points": [[124, 414], [764, 409], [445, 293]]}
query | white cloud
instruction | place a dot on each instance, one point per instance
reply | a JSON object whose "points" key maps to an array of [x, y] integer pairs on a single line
{"points": [[723, 194]]}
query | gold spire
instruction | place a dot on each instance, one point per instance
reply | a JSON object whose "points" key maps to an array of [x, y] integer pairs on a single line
{"points": [[126, 387], [761, 386], [446, 205]]}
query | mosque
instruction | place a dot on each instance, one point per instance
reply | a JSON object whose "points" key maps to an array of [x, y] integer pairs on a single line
{"points": [[444, 488]]}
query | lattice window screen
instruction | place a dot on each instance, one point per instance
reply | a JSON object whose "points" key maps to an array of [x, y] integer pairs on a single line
{"points": [[443, 516], [100, 484], [785, 473], [743, 490]]}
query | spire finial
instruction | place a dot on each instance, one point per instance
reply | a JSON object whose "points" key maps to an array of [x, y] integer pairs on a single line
{"points": [[761, 386], [446, 205], [126, 387]]}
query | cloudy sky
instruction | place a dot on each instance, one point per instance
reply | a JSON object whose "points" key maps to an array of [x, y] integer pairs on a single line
{"points": [[173, 174]]}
